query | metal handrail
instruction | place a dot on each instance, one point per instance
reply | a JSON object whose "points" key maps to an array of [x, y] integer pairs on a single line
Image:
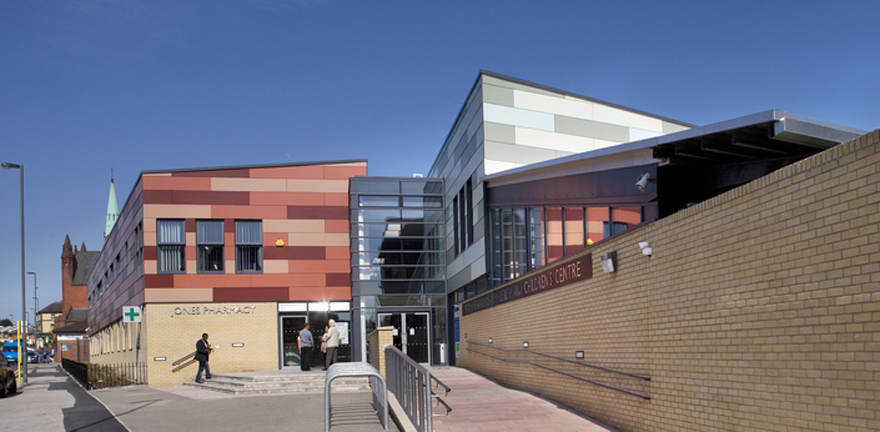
{"points": [[357, 369], [188, 356], [437, 381], [410, 383], [564, 360], [564, 373], [445, 405]]}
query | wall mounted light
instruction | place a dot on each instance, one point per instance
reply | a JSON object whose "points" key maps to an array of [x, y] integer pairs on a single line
{"points": [[490, 340], [526, 344], [646, 250], [609, 262], [642, 181], [579, 354]]}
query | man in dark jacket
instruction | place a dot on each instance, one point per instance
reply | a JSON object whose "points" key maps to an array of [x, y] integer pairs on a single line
{"points": [[203, 351]]}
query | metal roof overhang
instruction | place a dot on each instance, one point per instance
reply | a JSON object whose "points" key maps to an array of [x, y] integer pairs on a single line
{"points": [[767, 135]]}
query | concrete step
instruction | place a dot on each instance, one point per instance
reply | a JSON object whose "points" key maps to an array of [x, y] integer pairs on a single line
{"points": [[282, 383]]}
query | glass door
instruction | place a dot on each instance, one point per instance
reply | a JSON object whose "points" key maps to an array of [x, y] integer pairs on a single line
{"points": [[290, 327], [412, 333]]}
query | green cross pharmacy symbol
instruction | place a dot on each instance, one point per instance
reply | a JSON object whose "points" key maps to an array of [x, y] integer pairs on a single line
{"points": [[132, 314]]}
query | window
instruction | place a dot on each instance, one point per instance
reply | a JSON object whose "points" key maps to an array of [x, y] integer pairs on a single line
{"points": [[463, 217], [209, 246], [170, 242], [248, 246]]}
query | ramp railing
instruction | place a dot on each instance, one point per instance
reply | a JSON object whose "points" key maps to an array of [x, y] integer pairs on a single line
{"points": [[411, 384], [357, 369]]}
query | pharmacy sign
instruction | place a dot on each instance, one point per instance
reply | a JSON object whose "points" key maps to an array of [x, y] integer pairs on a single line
{"points": [[131, 314]]}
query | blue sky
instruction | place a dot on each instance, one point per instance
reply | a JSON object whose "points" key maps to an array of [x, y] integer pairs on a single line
{"points": [[90, 86]]}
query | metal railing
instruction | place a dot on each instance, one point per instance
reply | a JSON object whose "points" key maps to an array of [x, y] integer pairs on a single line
{"points": [[189, 359], [105, 375], [357, 369], [566, 361], [436, 382], [412, 384]]}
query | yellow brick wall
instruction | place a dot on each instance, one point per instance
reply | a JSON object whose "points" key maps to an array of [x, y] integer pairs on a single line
{"points": [[173, 333], [378, 340], [759, 310]]}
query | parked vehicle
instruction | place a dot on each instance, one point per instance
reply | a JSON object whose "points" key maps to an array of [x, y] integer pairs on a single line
{"points": [[7, 376], [10, 351]]}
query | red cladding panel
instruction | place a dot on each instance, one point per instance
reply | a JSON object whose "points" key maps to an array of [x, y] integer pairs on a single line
{"points": [[338, 279], [317, 212], [251, 294], [159, 281], [150, 253], [217, 173], [295, 253]]}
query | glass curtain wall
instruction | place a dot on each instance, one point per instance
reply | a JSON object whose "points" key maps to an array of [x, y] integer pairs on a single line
{"points": [[524, 239], [398, 254]]}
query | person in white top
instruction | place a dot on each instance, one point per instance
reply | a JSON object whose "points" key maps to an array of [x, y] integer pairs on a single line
{"points": [[331, 336]]}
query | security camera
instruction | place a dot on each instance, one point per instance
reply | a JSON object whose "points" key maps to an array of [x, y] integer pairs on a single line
{"points": [[643, 181], [646, 250]]}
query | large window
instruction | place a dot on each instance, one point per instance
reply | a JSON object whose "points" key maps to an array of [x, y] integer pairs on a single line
{"points": [[399, 238], [209, 246], [248, 246], [524, 239], [170, 246]]}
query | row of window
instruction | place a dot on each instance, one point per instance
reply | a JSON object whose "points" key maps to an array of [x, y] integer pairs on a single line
{"points": [[126, 262], [524, 239], [463, 218], [210, 242]]}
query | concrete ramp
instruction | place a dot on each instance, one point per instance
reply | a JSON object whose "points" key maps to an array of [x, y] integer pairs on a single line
{"points": [[479, 405]]}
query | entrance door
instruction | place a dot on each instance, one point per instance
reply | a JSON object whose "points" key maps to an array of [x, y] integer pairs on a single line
{"points": [[412, 333], [290, 327]]}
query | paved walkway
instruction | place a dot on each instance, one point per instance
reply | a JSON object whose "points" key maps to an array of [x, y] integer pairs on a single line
{"points": [[481, 405], [53, 402]]}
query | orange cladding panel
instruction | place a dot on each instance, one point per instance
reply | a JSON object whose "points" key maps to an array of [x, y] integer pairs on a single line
{"points": [[248, 212], [287, 198], [177, 183]]}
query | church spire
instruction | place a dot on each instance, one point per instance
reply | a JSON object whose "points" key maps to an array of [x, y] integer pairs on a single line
{"points": [[112, 209]]}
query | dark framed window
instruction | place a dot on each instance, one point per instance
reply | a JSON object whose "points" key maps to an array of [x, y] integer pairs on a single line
{"points": [[170, 246], [248, 246], [209, 246]]}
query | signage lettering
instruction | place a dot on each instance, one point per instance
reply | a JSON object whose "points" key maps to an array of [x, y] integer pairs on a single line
{"points": [[544, 280], [213, 310]]}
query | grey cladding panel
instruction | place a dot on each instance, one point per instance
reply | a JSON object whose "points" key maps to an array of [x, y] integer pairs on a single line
{"points": [[517, 153], [497, 95], [591, 129], [500, 132], [517, 86], [672, 127]]}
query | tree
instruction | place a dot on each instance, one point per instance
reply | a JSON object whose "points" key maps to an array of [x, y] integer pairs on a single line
{"points": [[5, 322]]}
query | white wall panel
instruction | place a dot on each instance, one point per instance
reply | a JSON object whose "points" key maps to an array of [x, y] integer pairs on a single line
{"points": [[617, 116], [639, 134], [553, 105], [553, 141], [519, 117], [492, 167]]}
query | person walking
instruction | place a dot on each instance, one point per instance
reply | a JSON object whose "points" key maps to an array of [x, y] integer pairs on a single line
{"points": [[203, 352], [331, 336], [306, 342]]}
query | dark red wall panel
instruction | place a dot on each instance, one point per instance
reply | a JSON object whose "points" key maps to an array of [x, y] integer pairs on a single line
{"points": [[246, 294], [295, 252], [317, 212], [159, 281]]}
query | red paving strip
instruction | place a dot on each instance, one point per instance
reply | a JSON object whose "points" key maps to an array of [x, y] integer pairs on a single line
{"points": [[480, 405]]}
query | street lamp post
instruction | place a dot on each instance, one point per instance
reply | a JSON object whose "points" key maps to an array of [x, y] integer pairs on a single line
{"points": [[37, 331], [20, 168]]}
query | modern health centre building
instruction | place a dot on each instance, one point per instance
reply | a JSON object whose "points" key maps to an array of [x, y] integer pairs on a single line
{"points": [[527, 176]]}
